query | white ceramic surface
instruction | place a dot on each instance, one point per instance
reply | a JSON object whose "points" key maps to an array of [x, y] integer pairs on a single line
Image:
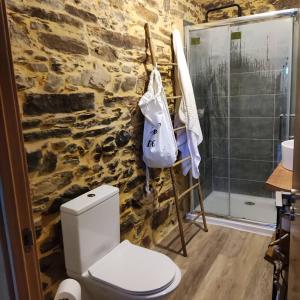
{"points": [[150, 271], [95, 290], [91, 227], [106, 268], [287, 148]]}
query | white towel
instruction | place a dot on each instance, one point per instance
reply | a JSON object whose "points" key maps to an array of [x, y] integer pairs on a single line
{"points": [[187, 140]]}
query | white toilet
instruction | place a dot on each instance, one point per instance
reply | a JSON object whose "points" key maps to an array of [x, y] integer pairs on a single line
{"points": [[106, 268]]}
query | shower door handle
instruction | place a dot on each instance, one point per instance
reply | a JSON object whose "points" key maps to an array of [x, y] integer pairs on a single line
{"points": [[280, 126], [291, 128]]}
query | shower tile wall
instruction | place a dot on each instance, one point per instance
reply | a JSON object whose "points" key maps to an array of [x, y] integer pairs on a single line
{"points": [[239, 115]]}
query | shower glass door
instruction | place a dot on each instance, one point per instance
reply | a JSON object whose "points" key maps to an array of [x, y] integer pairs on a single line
{"points": [[260, 80], [242, 81], [209, 68]]}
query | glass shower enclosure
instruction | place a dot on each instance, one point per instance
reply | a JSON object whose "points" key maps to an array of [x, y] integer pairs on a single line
{"points": [[242, 74]]}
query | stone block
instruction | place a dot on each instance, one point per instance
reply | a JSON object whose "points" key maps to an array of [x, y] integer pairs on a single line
{"points": [[33, 160], [117, 39], [80, 13], [37, 104], [122, 138], [126, 69], [48, 163], [127, 223], [128, 173], [24, 82], [97, 79], [117, 100], [38, 67], [160, 216], [133, 183], [146, 14], [106, 53], [54, 83], [86, 116], [48, 15], [63, 44], [92, 133], [46, 134], [166, 195], [128, 84], [53, 184], [33, 123]]}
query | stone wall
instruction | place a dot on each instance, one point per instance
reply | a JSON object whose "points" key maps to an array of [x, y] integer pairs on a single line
{"points": [[81, 67]]}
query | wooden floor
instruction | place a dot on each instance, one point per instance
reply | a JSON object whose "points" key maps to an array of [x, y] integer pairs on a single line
{"points": [[221, 264]]}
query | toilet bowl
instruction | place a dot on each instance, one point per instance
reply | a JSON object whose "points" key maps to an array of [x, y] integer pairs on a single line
{"points": [[130, 272], [105, 267]]}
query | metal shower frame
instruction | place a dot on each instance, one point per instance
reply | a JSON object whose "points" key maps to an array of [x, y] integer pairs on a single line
{"points": [[293, 12]]}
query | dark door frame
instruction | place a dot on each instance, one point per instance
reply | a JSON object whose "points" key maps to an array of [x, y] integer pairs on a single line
{"points": [[14, 180]]}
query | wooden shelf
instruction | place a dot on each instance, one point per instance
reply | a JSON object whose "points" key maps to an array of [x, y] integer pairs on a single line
{"points": [[280, 180]]}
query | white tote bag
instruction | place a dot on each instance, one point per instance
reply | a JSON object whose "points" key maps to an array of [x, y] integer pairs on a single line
{"points": [[159, 143]]}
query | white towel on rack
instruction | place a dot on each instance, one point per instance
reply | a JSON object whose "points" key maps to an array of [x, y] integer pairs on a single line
{"points": [[187, 140]]}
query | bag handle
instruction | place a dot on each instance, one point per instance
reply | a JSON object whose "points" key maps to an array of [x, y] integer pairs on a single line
{"points": [[155, 77]]}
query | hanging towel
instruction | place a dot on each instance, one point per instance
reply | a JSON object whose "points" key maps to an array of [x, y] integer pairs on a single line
{"points": [[187, 140]]}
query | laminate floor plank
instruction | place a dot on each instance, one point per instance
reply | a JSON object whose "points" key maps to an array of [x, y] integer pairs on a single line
{"points": [[222, 264]]}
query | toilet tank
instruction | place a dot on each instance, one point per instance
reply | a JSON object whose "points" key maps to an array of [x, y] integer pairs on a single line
{"points": [[90, 227]]}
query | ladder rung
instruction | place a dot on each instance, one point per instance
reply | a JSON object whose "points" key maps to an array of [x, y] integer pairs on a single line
{"points": [[188, 190], [180, 161], [178, 128], [166, 64], [174, 97]]}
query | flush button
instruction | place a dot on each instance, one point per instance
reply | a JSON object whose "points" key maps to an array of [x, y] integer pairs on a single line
{"points": [[91, 195]]}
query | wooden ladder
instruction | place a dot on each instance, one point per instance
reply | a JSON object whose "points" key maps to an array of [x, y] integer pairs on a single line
{"points": [[197, 185]]}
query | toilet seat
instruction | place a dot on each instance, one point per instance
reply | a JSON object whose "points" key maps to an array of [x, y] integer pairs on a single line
{"points": [[134, 270]]}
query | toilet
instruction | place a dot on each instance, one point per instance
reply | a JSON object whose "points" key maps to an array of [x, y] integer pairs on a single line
{"points": [[105, 267]]}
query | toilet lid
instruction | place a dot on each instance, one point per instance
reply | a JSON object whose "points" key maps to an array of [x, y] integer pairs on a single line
{"points": [[134, 269]]}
